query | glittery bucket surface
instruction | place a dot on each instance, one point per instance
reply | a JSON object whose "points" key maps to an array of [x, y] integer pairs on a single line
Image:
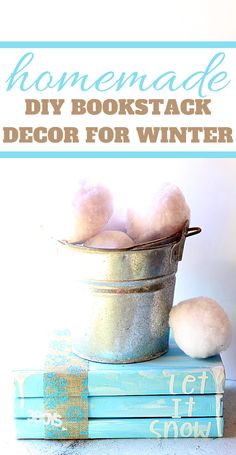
{"points": [[122, 298]]}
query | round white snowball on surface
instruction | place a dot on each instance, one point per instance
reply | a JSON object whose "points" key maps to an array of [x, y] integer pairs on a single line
{"points": [[163, 215], [110, 239], [84, 214], [201, 328]]}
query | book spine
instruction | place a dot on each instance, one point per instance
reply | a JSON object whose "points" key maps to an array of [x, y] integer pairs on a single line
{"points": [[131, 428], [128, 406], [134, 382]]}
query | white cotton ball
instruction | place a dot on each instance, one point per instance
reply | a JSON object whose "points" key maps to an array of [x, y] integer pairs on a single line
{"points": [[200, 327], [110, 239], [85, 215], [164, 214]]}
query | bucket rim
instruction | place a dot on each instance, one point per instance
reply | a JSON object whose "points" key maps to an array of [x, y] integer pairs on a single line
{"points": [[144, 246]]}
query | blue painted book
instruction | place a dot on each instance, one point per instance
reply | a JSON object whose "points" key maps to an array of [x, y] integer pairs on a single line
{"points": [[66, 397], [172, 374], [127, 406], [128, 428]]}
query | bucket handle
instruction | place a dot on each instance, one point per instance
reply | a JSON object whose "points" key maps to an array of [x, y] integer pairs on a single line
{"points": [[181, 236], [178, 248], [193, 231]]}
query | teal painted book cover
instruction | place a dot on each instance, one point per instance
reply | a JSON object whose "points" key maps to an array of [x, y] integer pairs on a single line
{"points": [[127, 406], [174, 374], [73, 398], [126, 428]]}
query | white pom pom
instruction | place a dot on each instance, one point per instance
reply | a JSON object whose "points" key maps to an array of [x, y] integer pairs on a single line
{"points": [[200, 327], [164, 215], [84, 215], [110, 239]]}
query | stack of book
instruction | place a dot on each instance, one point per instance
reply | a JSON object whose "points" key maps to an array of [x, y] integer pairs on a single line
{"points": [[172, 396]]}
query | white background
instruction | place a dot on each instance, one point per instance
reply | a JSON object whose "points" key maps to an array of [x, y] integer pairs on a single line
{"points": [[183, 20], [210, 185]]}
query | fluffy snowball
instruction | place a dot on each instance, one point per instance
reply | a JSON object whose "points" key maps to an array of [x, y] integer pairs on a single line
{"points": [[85, 215], [200, 327], [163, 215], [110, 239]]}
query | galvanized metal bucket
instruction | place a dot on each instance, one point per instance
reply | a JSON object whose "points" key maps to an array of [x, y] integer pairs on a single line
{"points": [[123, 298]]}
